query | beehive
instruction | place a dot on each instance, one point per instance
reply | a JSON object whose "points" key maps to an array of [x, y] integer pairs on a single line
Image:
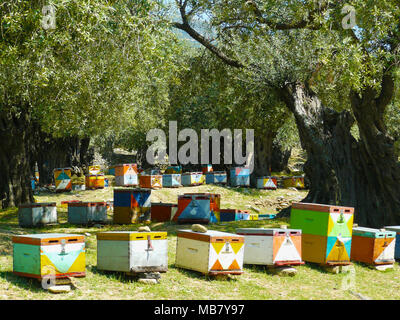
{"points": [[268, 183], [162, 212], [37, 214], [174, 170], [253, 216], [278, 247], [94, 181], [171, 180], [206, 168], [62, 178], [87, 212], [326, 232], [240, 176], [216, 177], [151, 181], [126, 175], [234, 215], [131, 205], [37, 255], [65, 203], [132, 251], [210, 253], [192, 178], [373, 246], [294, 182], [198, 208], [397, 244]]}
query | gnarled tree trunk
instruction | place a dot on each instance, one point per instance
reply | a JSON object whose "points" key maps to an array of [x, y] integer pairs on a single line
{"points": [[15, 172]]}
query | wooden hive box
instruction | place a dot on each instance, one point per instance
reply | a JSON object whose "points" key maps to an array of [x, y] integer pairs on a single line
{"points": [[240, 177], [192, 178], [397, 244], [373, 246], [198, 208], [126, 175], [210, 253], [174, 170], [151, 181], [266, 216], [131, 205], [234, 215], [253, 216], [62, 178], [274, 247], [37, 214], [94, 181], [326, 232], [216, 177], [162, 212], [171, 180], [87, 212], [65, 203], [206, 168], [132, 251], [294, 182], [37, 255], [267, 183]]}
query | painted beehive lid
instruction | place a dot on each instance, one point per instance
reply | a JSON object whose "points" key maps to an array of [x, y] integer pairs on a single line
{"points": [[87, 204], [163, 204], [373, 233], [37, 205], [210, 236], [191, 173], [237, 171], [268, 232], [62, 169], [48, 238], [131, 235]]}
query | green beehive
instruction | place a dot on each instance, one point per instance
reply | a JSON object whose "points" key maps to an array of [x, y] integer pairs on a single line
{"points": [[322, 220]]}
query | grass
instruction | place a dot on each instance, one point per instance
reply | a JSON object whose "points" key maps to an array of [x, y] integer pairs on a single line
{"points": [[311, 282]]}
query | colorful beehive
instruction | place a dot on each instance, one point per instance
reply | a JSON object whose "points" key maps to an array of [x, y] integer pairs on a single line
{"points": [[171, 180], [373, 246], [151, 181], [174, 170], [94, 169], [62, 178], [111, 171], [94, 181], [87, 212], [206, 168], [210, 253], [294, 182], [240, 176], [38, 255], [192, 178], [269, 183], [234, 215], [132, 251], [266, 216], [278, 247], [254, 216], [397, 245], [201, 208], [37, 214], [216, 177], [126, 175], [326, 232], [162, 212], [131, 205]]}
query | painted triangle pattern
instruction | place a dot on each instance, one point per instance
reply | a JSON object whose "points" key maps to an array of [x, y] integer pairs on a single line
{"points": [[287, 251], [387, 252], [270, 184], [226, 255]]}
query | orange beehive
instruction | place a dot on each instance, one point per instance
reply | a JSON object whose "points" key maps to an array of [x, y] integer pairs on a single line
{"points": [[150, 181], [373, 246]]}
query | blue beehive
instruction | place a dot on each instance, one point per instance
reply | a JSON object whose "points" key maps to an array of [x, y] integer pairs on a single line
{"points": [[234, 215], [240, 176], [397, 244], [216, 177], [171, 180]]}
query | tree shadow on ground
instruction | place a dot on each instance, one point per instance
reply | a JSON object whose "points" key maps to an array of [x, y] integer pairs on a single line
{"points": [[33, 285]]}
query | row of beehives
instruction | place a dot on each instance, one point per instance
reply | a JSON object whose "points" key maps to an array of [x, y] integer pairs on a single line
{"points": [[327, 233], [210, 252], [128, 175], [133, 205]]}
